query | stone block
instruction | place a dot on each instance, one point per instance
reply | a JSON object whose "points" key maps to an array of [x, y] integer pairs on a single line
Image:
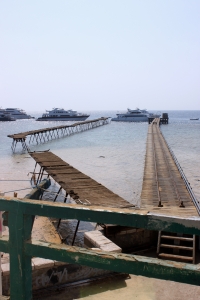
{"points": [[40, 263]]}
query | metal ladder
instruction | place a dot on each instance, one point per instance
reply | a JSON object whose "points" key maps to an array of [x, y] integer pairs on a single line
{"points": [[176, 243]]}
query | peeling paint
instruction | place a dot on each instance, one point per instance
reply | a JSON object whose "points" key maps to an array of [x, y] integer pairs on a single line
{"points": [[76, 258], [20, 266]]}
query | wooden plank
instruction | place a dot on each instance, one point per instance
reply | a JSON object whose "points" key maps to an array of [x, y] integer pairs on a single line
{"points": [[162, 180], [69, 178]]}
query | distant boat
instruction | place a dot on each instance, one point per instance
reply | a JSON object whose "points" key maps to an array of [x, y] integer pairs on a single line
{"points": [[136, 115], [4, 116], [194, 119], [59, 114], [18, 113]]}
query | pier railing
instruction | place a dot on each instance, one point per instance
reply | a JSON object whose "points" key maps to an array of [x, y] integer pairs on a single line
{"points": [[187, 184], [21, 247]]}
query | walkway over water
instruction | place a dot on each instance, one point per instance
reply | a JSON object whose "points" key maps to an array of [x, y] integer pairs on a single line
{"points": [[165, 188], [80, 187], [46, 134]]}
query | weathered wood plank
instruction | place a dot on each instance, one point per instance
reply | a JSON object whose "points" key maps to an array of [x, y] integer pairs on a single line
{"points": [[69, 178], [162, 181]]}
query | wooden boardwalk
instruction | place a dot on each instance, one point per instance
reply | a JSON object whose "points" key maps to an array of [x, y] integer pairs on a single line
{"points": [[46, 134], [83, 189], [164, 190]]}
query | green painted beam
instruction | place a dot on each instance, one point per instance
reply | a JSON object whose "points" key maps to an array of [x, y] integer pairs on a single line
{"points": [[22, 211], [20, 227], [4, 244], [125, 263], [124, 217], [34, 194], [20, 263]]}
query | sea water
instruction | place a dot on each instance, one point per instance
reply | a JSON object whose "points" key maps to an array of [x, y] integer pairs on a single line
{"points": [[112, 154]]}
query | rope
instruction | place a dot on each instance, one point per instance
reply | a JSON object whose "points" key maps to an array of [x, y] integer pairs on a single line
{"points": [[29, 188], [12, 180]]}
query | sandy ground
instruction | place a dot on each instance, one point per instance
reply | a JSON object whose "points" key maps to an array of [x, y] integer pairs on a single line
{"points": [[43, 229], [133, 287]]}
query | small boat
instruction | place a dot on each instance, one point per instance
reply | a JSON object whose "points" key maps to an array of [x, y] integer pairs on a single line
{"points": [[194, 119], [136, 115], [4, 116], [59, 114], [18, 113]]}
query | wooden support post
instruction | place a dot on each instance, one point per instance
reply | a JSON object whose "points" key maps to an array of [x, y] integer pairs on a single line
{"points": [[47, 135], [60, 218], [75, 232], [39, 175], [51, 134], [57, 194], [36, 137], [30, 138], [42, 137]]}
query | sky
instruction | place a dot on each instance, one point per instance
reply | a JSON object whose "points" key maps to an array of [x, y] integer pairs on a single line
{"points": [[100, 55]]}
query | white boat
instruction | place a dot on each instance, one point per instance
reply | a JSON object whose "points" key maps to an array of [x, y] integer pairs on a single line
{"points": [[136, 115], [5, 116], [18, 113], [59, 114]]}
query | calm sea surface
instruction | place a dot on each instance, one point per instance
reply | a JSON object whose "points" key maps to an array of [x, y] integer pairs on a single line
{"points": [[113, 154]]}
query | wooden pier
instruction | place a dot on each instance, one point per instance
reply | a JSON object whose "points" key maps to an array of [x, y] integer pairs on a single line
{"points": [[165, 191], [80, 187], [46, 134], [167, 204], [165, 188], [83, 189]]}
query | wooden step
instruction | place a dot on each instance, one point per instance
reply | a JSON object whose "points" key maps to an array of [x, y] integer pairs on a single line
{"points": [[165, 255], [181, 238], [176, 247]]}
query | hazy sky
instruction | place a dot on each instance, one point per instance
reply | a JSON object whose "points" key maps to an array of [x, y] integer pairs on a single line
{"points": [[100, 55]]}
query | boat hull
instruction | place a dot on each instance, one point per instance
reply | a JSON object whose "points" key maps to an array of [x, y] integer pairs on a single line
{"points": [[22, 117], [6, 118], [72, 118], [130, 119]]}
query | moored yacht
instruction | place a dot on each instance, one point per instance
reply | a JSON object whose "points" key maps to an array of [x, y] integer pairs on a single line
{"points": [[4, 116], [18, 113], [59, 114], [136, 115]]}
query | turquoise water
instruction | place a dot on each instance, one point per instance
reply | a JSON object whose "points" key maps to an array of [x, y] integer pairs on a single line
{"points": [[113, 154]]}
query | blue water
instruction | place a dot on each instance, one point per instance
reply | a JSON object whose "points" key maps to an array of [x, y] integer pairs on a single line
{"points": [[113, 154]]}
